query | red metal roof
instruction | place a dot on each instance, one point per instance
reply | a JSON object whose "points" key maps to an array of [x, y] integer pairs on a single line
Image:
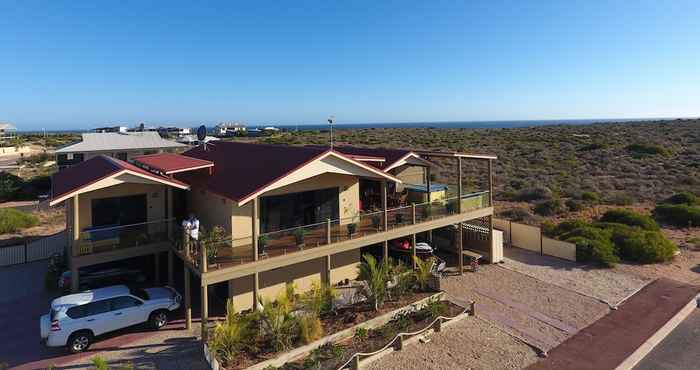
{"points": [[169, 163], [390, 155], [74, 178], [243, 168]]}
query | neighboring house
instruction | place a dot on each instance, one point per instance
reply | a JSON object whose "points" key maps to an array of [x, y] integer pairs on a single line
{"points": [[119, 145], [193, 140], [111, 129], [286, 213], [225, 129], [7, 131]]}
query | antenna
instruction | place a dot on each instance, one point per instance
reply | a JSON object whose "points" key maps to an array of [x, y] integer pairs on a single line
{"points": [[331, 120]]}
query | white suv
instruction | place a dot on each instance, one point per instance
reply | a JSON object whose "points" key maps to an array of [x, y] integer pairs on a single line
{"points": [[76, 319]]}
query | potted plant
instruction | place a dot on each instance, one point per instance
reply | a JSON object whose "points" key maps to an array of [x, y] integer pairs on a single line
{"points": [[352, 228], [399, 218], [451, 206], [427, 210], [299, 236], [211, 242], [376, 221], [262, 244]]}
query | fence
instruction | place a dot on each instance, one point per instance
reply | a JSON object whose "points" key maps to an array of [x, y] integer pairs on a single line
{"points": [[34, 251], [531, 238]]}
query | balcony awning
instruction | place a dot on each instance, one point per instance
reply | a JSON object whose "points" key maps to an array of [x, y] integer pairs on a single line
{"points": [[171, 163], [101, 172]]}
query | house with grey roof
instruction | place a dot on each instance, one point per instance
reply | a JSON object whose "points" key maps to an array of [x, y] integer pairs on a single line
{"points": [[6, 131], [120, 145]]}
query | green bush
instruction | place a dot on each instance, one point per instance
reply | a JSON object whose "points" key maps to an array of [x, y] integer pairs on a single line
{"points": [[681, 215], [232, 336], [647, 247], [549, 207], [12, 220], [601, 251], [589, 196], [530, 194], [647, 149], [574, 205], [631, 218], [687, 198], [9, 186]]}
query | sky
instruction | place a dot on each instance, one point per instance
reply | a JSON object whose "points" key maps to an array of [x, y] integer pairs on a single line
{"points": [[83, 64]]}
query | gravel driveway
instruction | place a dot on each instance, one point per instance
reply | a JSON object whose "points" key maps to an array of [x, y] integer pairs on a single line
{"points": [[608, 285], [541, 314], [469, 344]]}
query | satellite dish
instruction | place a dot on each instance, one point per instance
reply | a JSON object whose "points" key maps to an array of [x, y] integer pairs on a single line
{"points": [[201, 133]]}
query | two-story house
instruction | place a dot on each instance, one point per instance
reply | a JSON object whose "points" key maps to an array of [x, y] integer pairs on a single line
{"points": [[289, 214]]}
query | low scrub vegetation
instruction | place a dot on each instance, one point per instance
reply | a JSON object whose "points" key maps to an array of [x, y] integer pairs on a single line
{"points": [[14, 188], [681, 210], [618, 235], [12, 220]]}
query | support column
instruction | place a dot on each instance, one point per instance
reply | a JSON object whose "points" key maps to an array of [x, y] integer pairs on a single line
{"points": [[171, 272], [384, 205], [385, 248], [491, 250], [490, 183], [427, 182], [76, 226], [156, 260], [74, 279], [328, 270], [255, 225], [169, 211], [413, 260], [460, 245], [256, 290], [188, 300], [459, 184], [205, 312]]}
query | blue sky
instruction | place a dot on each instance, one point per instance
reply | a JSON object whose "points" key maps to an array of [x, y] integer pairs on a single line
{"points": [[79, 64]]}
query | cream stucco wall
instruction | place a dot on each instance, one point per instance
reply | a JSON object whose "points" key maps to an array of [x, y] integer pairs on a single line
{"points": [[155, 200], [409, 175], [302, 275], [211, 209]]}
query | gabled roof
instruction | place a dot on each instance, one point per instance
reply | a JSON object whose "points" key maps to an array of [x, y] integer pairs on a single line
{"points": [[112, 141], [244, 170], [389, 155], [70, 181], [169, 163]]}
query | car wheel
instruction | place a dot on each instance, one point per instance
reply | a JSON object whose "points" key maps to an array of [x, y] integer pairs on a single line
{"points": [[159, 319], [80, 341]]}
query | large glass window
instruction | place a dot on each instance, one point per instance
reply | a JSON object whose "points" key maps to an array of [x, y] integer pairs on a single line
{"points": [[119, 210], [290, 210]]}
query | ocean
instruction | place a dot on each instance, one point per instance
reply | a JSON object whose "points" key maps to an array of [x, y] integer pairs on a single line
{"points": [[454, 124]]}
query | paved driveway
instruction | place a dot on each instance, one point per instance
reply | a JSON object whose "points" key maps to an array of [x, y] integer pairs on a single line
{"points": [[24, 300]]}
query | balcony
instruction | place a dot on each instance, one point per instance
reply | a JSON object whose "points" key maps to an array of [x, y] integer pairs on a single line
{"points": [[114, 238], [227, 253]]}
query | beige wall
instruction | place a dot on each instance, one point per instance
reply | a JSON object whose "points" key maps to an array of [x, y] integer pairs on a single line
{"points": [[409, 175], [211, 209], [303, 275], [155, 200]]}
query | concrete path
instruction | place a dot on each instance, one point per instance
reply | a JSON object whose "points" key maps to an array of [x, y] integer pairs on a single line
{"points": [[608, 342]]}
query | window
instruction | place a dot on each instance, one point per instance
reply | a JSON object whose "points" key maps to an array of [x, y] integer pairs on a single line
{"points": [[69, 156], [98, 307], [121, 155], [77, 312], [119, 210], [119, 303], [139, 293]]}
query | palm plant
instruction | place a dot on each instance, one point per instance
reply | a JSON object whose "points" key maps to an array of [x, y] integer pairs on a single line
{"points": [[376, 275], [278, 322], [319, 299], [231, 336], [423, 272]]}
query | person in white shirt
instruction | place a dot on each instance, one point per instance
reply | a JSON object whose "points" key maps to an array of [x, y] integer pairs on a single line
{"points": [[194, 227]]}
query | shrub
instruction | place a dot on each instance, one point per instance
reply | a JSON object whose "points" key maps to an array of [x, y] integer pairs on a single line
{"points": [[631, 218], [435, 307], [549, 207], [352, 228], [232, 336], [647, 247], [361, 333], [641, 149], [589, 196], [100, 363], [422, 274], [376, 275], [574, 205], [531, 194], [319, 299], [681, 215], [277, 321], [687, 198], [600, 251], [9, 186], [299, 235], [620, 199], [310, 327], [12, 220]]}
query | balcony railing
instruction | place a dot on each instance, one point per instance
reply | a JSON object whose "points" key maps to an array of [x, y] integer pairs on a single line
{"points": [[236, 251], [110, 238]]}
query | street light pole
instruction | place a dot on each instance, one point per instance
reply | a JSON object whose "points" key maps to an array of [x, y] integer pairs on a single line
{"points": [[331, 119]]}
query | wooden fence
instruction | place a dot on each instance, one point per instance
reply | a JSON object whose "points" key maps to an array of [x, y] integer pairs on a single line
{"points": [[531, 238], [34, 251]]}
